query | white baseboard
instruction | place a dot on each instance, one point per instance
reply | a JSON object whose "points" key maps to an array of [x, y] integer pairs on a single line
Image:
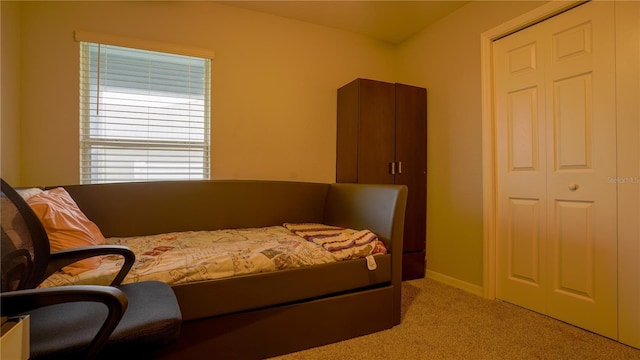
{"points": [[457, 283]]}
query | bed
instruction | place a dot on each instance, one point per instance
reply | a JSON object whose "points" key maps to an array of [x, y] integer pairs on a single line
{"points": [[188, 256], [295, 265]]}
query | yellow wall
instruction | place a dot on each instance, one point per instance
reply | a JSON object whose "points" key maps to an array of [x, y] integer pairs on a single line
{"points": [[9, 93], [274, 98], [274, 84], [445, 58]]}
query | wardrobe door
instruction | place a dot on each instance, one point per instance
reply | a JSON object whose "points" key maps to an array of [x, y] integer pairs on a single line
{"points": [[366, 132], [411, 170]]}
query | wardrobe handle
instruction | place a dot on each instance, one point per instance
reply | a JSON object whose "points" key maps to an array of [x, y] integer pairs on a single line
{"points": [[399, 167], [574, 187], [392, 168]]}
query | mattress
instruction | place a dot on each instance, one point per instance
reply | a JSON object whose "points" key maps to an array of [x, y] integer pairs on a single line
{"points": [[192, 256]]}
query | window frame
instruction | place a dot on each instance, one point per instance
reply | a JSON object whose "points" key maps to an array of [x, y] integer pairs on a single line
{"points": [[137, 44]]}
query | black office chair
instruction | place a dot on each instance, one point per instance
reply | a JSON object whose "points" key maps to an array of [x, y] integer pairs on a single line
{"points": [[80, 321]]}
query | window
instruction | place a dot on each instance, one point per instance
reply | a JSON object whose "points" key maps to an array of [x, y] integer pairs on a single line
{"points": [[144, 115]]}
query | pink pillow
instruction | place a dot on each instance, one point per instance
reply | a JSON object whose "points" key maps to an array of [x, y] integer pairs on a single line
{"points": [[67, 226]]}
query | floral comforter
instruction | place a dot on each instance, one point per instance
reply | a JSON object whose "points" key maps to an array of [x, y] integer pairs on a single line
{"points": [[183, 257]]}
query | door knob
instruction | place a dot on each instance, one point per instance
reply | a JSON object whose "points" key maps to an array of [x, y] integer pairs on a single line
{"points": [[574, 187]]}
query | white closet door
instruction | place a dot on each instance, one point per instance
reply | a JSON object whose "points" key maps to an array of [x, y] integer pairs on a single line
{"points": [[556, 151]]}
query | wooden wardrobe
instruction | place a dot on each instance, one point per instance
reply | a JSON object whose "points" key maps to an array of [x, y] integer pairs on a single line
{"points": [[382, 135]]}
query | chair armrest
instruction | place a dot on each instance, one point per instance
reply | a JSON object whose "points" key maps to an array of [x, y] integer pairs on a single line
{"points": [[21, 301], [62, 258]]}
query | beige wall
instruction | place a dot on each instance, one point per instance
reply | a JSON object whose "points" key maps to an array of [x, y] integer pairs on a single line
{"points": [[9, 92], [273, 111], [445, 58], [274, 84]]}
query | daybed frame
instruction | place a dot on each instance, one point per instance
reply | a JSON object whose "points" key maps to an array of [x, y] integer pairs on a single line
{"points": [[267, 314]]}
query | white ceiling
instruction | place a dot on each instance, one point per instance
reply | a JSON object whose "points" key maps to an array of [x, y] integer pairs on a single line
{"points": [[390, 21]]}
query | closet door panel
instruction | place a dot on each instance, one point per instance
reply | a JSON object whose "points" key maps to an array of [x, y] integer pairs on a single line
{"points": [[581, 120], [556, 129], [411, 160], [347, 133], [376, 137]]}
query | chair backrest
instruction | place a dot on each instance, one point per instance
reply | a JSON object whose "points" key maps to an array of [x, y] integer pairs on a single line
{"points": [[25, 244]]}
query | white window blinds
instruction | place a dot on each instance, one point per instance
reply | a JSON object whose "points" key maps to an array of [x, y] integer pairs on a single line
{"points": [[144, 115]]}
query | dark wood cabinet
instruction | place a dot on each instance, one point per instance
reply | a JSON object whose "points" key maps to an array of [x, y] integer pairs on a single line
{"points": [[382, 139]]}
